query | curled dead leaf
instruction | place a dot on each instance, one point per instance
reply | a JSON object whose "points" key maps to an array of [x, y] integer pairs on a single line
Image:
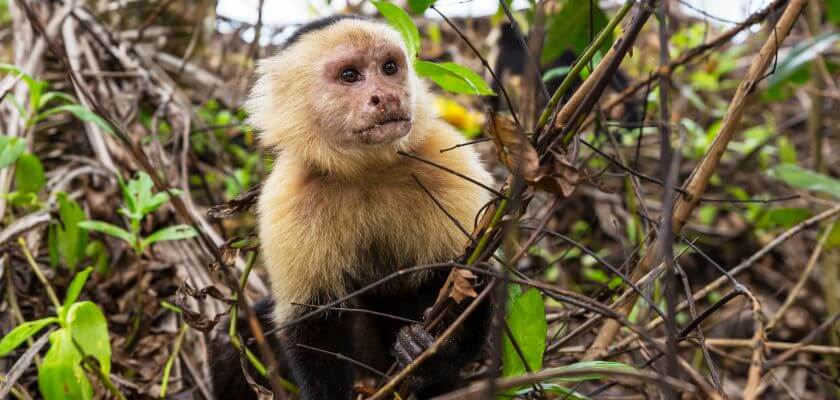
{"points": [[561, 178], [462, 287], [238, 205], [519, 156], [512, 146]]}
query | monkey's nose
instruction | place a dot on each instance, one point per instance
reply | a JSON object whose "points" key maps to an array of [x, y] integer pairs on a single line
{"points": [[374, 100]]}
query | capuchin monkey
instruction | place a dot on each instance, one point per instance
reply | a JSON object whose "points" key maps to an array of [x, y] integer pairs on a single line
{"points": [[342, 209]]}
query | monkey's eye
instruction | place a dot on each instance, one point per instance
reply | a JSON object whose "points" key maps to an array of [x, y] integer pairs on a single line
{"points": [[389, 68], [349, 75]]}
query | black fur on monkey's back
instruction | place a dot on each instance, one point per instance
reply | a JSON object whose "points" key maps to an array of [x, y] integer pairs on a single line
{"points": [[366, 338]]}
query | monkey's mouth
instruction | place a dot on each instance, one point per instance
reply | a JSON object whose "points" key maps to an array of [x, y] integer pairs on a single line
{"points": [[386, 129]]}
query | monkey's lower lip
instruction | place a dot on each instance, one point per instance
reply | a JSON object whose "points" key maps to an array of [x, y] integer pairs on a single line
{"points": [[385, 131]]}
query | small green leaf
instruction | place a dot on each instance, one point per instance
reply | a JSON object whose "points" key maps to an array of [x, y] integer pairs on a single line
{"points": [[606, 366], [90, 331], [52, 245], [11, 148], [802, 53], [802, 178], [29, 174], [76, 286], [784, 217], [176, 232], [35, 86], [401, 21], [419, 6], [60, 376], [81, 112], [71, 239], [526, 320], [571, 29], [454, 77], [833, 240], [53, 96], [138, 193], [152, 203], [22, 332], [832, 11], [555, 73], [107, 229], [96, 250]]}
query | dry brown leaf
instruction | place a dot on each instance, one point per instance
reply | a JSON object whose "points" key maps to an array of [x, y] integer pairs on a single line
{"points": [[463, 286], [561, 178], [512, 146], [519, 156]]}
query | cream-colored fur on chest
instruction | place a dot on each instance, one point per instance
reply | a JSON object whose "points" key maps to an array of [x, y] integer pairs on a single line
{"points": [[316, 230]]}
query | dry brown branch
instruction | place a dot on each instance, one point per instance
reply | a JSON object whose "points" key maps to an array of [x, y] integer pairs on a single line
{"points": [[699, 179]]}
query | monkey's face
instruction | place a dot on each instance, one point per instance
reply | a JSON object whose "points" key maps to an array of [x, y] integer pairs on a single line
{"points": [[365, 89], [343, 97]]}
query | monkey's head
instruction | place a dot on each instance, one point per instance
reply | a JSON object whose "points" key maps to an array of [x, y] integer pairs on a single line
{"points": [[341, 93]]}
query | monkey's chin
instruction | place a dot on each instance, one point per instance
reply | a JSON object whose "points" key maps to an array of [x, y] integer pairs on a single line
{"points": [[384, 133]]}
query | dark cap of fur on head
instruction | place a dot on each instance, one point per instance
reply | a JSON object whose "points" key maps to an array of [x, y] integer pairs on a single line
{"points": [[317, 25]]}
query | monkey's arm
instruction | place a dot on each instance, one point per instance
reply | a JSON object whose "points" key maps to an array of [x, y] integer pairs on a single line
{"points": [[441, 373]]}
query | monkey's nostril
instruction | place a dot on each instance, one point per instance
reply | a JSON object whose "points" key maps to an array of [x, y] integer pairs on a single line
{"points": [[374, 100]]}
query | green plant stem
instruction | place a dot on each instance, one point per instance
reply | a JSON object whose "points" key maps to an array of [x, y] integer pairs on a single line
{"points": [[234, 337], [176, 349], [581, 62], [485, 238], [39, 274], [106, 381]]}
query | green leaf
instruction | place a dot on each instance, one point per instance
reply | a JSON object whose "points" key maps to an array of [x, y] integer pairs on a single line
{"points": [[22, 332], [90, 331], [401, 21], [11, 147], [833, 240], [418, 6], [138, 193], [832, 10], [52, 96], [526, 320], [96, 250], [71, 239], [802, 178], [61, 376], [154, 202], [107, 229], [76, 286], [81, 112], [802, 53], [606, 366], [454, 77], [555, 73], [176, 232], [36, 87], [784, 217], [52, 245], [29, 174], [787, 151], [569, 29]]}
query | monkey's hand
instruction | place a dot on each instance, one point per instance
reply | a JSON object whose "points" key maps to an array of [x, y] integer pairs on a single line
{"points": [[413, 340]]}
